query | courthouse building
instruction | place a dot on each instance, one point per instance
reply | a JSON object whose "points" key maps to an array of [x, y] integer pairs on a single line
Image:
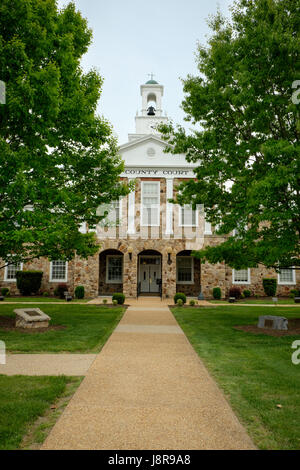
{"points": [[146, 241]]}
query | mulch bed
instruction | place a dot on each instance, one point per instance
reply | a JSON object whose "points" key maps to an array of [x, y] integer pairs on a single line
{"points": [[8, 324], [293, 329]]}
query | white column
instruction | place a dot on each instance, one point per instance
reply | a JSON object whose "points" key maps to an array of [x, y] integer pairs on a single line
{"points": [[169, 207], [131, 211]]}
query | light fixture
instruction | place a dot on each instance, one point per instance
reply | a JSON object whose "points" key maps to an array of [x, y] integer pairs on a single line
{"points": [[129, 251], [169, 251]]}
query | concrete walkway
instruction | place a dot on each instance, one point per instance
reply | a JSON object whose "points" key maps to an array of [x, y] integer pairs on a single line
{"points": [[47, 364], [147, 389]]}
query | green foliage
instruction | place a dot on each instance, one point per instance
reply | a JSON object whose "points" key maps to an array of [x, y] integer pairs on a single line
{"points": [[294, 293], [57, 156], [79, 292], [179, 302], [235, 292], [120, 297], [104, 301], [115, 302], [45, 294], [179, 295], [29, 282], [60, 290], [192, 302], [5, 291], [246, 142], [247, 293], [270, 286], [217, 293]]}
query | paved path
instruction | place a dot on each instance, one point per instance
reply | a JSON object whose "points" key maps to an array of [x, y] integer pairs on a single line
{"points": [[47, 364], [147, 389]]}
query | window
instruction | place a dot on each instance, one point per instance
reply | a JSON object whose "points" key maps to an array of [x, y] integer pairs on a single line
{"points": [[10, 271], [241, 276], [114, 269], [188, 216], [150, 203], [185, 269], [286, 276], [58, 271]]}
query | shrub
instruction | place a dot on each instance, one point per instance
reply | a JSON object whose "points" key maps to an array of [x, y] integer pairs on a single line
{"points": [[104, 301], [235, 292], [293, 293], [180, 295], [120, 297], [5, 291], [115, 302], [270, 286], [29, 282], [179, 302], [45, 294], [217, 293], [246, 293], [192, 302], [60, 290], [79, 292]]}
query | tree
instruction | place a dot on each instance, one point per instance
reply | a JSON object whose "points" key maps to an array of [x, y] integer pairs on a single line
{"points": [[246, 136], [58, 159]]}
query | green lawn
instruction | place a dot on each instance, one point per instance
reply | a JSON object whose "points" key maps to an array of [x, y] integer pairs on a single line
{"points": [[267, 300], [42, 299], [87, 329], [255, 371], [22, 400]]}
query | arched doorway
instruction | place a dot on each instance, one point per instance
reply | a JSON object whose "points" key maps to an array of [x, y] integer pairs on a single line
{"points": [[110, 272], [149, 272], [188, 273]]}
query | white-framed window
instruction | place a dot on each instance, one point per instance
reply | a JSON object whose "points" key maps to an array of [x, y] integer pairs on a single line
{"points": [[114, 269], [58, 271], [287, 276], [241, 276], [185, 270], [188, 216], [10, 271], [150, 213]]}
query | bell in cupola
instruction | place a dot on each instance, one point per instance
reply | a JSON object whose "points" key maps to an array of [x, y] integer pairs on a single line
{"points": [[151, 111]]}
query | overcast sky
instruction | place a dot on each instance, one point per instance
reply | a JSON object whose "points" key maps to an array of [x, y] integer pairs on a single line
{"points": [[132, 38]]}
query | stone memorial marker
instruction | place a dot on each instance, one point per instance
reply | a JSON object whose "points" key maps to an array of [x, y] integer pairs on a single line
{"points": [[273, 321], [31, 318]]}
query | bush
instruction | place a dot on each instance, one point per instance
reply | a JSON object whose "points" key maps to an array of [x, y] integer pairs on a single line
{"points": [[5, 291], [79, 292], [179, 302], [29, 282], [180, 295], [120, 297], [192, 302], [217, 293], [115, 302], [104, 301], [235, 292], [293, 293], [246, 293], [45, 294], [270, 286], [60, 290]]}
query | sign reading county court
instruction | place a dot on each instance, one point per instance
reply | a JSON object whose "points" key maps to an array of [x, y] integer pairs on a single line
{"points": [[135, 172]]}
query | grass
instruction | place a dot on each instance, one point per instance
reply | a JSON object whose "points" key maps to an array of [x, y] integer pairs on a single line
{"points": [[255, 371], [23, 400], [87, 329], [41, 299], [267, 300]]}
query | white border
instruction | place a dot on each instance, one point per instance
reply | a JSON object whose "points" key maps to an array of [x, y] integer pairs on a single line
{"points": [[58, 280], [185, 282], [154, 205], [107, 281], [287, 283], [5, 273], [241, 282]]}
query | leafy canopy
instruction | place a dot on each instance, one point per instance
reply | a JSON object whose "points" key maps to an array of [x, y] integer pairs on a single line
{"points": [[245, 140], [58, 158]]}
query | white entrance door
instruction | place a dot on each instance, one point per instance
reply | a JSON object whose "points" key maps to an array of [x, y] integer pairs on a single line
{"points": [[149, 273]]}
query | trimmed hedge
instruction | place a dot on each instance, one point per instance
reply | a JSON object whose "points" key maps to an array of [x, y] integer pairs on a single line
{"points": [[216, 293], [270, 286], [119, 297], [179, 295], [5, 291], [29, 282], [235, 292], [79, 292], [247, 293]]}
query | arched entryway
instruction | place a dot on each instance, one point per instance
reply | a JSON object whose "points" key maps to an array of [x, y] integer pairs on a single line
{"points": [[188, 273], [149, 270], [110, 272]]}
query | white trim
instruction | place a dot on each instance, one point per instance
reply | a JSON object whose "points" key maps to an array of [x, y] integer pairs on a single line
{"points": [[287, 283], [169, 206], [131, 210], [180, 216], [241, 282], [185, 282], [59, 280], [5, 273], [154, 205], [207, 226], [107, 281]]}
